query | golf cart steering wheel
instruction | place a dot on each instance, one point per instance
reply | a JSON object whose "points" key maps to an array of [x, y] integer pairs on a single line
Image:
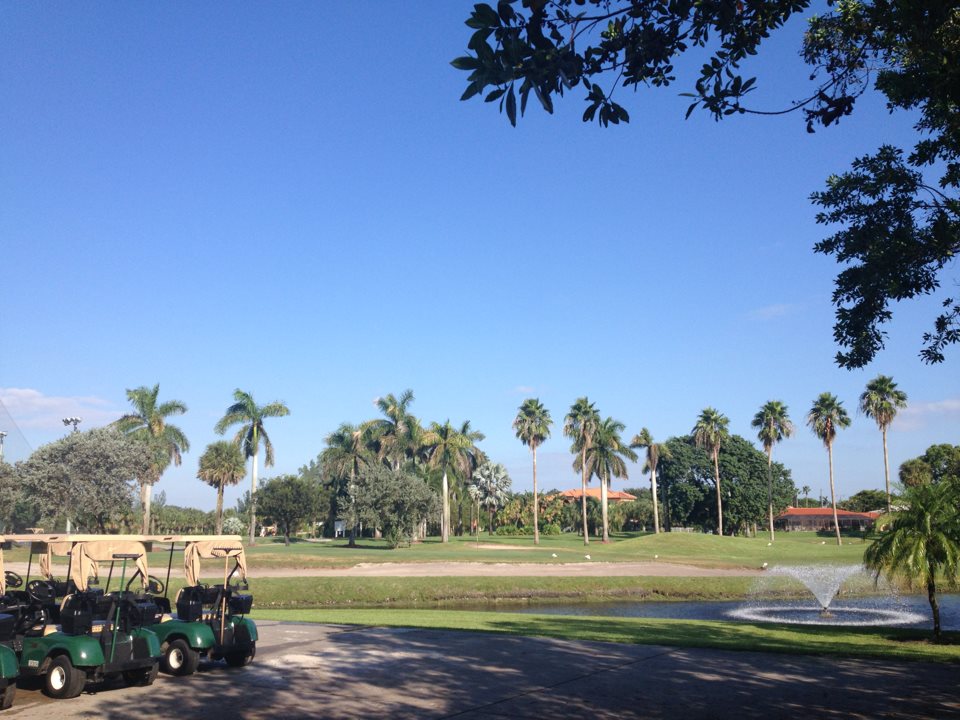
{"points": [[153, 586], [41, 590], [12, 579]]}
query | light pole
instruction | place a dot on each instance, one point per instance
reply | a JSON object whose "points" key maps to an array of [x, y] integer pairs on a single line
{"points": [[2, 436], [73, 421]]}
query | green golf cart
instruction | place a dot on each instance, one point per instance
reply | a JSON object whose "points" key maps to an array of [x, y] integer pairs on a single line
{"points": [[101, 635], [9, 666], [210, 620]]}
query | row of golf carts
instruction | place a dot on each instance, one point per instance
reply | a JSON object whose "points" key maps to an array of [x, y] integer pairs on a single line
{"points": [[90, 628]]}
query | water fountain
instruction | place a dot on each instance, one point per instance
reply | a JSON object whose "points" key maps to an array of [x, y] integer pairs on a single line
{"points": [[824, 582]]}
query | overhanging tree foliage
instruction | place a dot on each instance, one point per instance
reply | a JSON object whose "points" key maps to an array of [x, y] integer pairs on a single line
{"points": [[898, 228]]}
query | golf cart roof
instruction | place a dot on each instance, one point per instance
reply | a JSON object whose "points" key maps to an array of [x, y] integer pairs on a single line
{"points": [[227, 540], [85, 552]]}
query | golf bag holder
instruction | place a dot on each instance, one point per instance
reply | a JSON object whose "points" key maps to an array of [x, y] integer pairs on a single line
{"points": [[240, 604]]}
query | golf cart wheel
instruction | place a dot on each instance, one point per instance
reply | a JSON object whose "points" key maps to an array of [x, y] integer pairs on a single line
{"points": [[179, 658], [63, 680], [141, 678], [239, 658], [9, 693]]}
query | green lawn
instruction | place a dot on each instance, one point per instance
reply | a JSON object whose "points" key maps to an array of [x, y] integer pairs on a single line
{"points": [[688, 548], [883, 643]]}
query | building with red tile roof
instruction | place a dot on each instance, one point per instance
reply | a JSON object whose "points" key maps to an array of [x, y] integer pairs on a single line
{"points": [[613, 496]]}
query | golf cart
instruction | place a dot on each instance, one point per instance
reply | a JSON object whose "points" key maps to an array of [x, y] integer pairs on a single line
{"points": [[101, 634], [9, 667], [210, 620]]}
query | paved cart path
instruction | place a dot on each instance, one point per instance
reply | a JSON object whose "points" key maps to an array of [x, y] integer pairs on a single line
{"points": [[469, 569], [326, 671]]}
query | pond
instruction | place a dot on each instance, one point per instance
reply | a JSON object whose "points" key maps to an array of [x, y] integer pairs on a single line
{"points": [[691, 610]]}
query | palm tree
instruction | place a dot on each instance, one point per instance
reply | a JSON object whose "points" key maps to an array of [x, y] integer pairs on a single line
{"points": [[397, 433], [922, 542], [250, 416], [347, 452], [448, 451], [221, 464], [773, 425], [655, 451], [825, 417], [475, 457], [606, 458], [580, 425], [880, 401], [708, 433], [532, 426], [148, 423], [489, 488]]}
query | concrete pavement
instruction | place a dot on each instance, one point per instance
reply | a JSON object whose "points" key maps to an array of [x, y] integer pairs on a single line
{"points": [[324, 671]]}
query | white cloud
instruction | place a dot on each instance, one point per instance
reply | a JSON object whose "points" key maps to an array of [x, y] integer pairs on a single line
{"points": [[771, 312], [32, 409], [524, 389], [916, 415]]}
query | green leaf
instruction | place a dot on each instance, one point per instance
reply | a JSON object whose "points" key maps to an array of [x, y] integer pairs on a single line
{"points": [[472, 89], [465, 63], [495, 95], [512, 107]]}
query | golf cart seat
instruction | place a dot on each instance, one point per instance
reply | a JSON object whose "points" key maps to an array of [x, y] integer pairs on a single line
{"points": [[77, 613], [8, 627], [190, 603]]}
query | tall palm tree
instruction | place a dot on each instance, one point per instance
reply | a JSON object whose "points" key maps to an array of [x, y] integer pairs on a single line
{"points": [[655, 451], [397, 433], [532, 426], [347, 452], [221, 464], [580, 425], [773, 424], [250, 416], [475, 458], [606, 458], [447, 451], [922, 542], [148, 423], [708, 433], [826, 417], [881, 401]]}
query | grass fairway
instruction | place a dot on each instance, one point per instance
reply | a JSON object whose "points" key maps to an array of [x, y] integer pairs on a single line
{"points": [[883, 643], [689, 548]]}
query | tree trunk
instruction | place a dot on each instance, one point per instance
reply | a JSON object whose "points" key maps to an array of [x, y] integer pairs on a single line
{"points": [[833, 496], [886, 467], [603, 510], [716, 475], [656, 511], [253, 502], [934, 605], [445, 520], [583, 495], [536, 502], [489, 521], [145, 493], [219, 508], [286, 536], [770, 489]]}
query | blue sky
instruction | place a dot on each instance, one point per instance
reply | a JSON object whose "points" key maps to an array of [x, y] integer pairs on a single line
{"points": [[290, 199]]}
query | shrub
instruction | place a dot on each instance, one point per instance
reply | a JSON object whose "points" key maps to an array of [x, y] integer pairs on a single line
{"points": [[550, 529]]}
